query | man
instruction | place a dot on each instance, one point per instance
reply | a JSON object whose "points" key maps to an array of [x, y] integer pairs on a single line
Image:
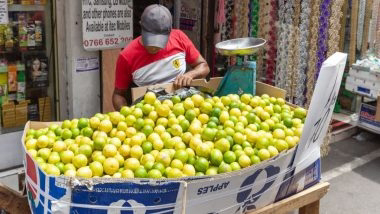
{"points": [[160, 55]]}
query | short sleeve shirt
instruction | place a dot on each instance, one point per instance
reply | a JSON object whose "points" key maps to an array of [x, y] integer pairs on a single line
{"points": [[136, 65]]}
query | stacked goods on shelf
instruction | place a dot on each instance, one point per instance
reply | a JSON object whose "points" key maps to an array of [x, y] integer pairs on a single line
{"points": [[27, 2], [24, 32], [223, 134], [364, 79], [23, 64], [369, 117], [8, 115], [15, 115], [14, 82], [3, 82], [21, 110], [44, 106]]}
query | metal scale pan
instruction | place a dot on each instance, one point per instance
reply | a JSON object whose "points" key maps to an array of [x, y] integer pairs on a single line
{"points": [[240, 46], [243, 73]]}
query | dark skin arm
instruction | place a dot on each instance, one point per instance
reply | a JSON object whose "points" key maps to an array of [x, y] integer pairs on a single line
{"points": [[199, 70], [118, 99]]}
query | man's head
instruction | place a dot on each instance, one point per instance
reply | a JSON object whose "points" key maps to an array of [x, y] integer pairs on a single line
{"points": [[156, 24]]}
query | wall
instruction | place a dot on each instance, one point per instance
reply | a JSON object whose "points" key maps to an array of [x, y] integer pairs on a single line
{"points": [[83, 89], [11, 151]]}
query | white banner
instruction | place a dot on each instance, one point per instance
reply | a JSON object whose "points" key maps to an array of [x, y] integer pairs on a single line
{"points": [[107, 24], [322, 106]]}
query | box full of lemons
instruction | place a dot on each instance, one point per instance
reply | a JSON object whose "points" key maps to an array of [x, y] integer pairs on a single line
{"points": [[193, 137], [224, 154]]}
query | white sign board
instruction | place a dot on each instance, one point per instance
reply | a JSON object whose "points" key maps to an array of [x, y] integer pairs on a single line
{"points": [[3, 12], [85, 64], [107, 24], [322, 106]]}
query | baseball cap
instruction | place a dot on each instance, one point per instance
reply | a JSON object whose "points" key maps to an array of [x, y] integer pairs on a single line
{"points": [[156, 24]]}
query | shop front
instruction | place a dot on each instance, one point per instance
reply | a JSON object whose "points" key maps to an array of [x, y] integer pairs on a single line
{"points": [[28, 83]]}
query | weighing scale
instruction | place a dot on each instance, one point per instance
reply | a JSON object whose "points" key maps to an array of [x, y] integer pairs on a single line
{"points": [[240, 78]]}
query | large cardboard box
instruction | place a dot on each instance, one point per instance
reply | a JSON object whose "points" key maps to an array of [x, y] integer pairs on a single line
{"points": [[235, 192], [367, 117]]}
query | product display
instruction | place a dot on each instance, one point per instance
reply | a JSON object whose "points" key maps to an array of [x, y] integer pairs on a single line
{"points": [[3, 82], [272, 44], [282, 45], [371, 62], [291, 48], [170, 138], [303, 53], [263, 14], [27, 2], [254, 22], [24, 67], [334, 29], [296, 23], [312, 50], [322, 35]]}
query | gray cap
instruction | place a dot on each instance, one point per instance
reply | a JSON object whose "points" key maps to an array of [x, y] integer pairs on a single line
{"points": [[156, 24]]}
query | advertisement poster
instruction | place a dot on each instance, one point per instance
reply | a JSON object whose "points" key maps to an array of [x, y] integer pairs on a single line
{"points": [[37, 72], [107, 24]]}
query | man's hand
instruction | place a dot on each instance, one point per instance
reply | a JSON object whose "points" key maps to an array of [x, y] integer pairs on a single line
{"points": [[200, 70], [118, 99], [183, 80]]}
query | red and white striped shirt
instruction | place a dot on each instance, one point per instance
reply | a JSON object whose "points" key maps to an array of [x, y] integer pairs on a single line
{"points": [[137, 65]]}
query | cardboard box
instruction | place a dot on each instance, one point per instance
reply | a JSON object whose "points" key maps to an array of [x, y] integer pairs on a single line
{"points": [[9, 115], [367, 117], [364, 74], [44, 106], [21, 111], [236, 192], [363, 87], [15, 115]]}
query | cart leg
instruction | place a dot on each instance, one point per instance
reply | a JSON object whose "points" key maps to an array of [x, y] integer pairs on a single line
{"points": [[312, 208]]}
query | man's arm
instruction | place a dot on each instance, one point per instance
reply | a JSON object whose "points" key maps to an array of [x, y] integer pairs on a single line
{"points": [[118, 99], [199, 70], [123, 79]]}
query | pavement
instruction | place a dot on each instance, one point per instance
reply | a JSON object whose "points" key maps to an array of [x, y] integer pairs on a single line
{"points": [[352, 168]]}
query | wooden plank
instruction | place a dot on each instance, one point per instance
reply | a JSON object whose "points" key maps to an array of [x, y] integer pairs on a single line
{"points": [[368, 13], [109, 58], [312, 208], [12, 201], [354, 28], [308, 196]]}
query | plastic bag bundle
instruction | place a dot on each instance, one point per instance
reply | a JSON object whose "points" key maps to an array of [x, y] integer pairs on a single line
{"points": [[183, 93]]}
